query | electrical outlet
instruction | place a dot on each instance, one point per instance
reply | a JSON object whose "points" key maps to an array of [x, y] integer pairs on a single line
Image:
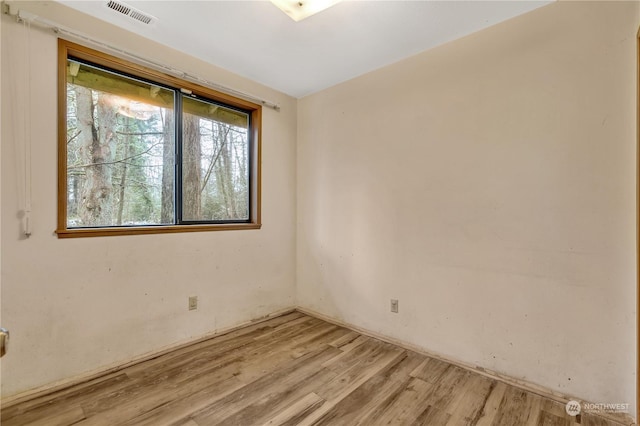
{"points": [[193, 303], [394, 306]]}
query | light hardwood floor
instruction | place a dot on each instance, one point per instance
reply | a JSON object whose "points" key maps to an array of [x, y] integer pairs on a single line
{"points": [[292, 370]]}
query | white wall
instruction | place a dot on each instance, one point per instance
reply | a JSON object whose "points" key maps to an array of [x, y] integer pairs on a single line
{"points": [[489, 185], [78, 305]]}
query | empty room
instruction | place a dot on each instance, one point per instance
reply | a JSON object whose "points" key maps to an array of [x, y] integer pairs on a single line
{"points": [[285, 212]]}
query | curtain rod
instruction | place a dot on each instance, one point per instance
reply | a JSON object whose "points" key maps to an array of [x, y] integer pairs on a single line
{"points": [[22, 15]]}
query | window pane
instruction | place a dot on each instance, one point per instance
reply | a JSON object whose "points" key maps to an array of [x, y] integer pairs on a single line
{"points": [[215, 162], [120, 150]]}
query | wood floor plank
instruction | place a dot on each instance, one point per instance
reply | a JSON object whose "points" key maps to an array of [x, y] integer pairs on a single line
{"points": [[180, 409], [553, 407], [48, 405], [518, 407], [492, 404], [188, 423], [283, 353], [372, 394], [347, 382], [405, 408], [418, 394], [534, 412], [368, 364], [252, 408], [222, 346], [68, 416], [254, 330], [150, 399], [345, 360], [345, 340], [191, 369], [431, 370], [434, 416], [548, 419], [280, 395], [296, 411], [448, 388], [186, 358], [279, 398], [293, 370], [469, 400], [136, 401], [347, 348], [287, 325]]}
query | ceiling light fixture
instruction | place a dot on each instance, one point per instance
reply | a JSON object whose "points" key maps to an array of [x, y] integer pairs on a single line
{"points": [[300, 9]]}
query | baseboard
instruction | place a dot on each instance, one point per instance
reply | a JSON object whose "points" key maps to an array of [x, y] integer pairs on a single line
{"points": [[103, 371], [520, 384]]}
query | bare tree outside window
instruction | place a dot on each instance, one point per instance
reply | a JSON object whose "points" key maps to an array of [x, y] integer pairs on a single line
{"points": [[121, 154]]}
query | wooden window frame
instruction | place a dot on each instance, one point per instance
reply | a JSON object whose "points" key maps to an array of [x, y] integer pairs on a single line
{"points": [[68, 49]]}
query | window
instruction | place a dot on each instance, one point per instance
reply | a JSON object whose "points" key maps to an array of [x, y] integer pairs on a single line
{"points": [[144, 152]]}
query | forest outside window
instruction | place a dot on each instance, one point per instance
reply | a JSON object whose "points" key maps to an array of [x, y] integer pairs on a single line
{"points": [[144, 152]]}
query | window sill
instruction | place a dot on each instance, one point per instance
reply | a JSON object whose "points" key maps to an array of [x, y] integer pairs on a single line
{"points": [[162, 229]]}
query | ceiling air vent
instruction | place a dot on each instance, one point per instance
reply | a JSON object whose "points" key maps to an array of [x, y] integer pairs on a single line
{"points": [[130, 11]]}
